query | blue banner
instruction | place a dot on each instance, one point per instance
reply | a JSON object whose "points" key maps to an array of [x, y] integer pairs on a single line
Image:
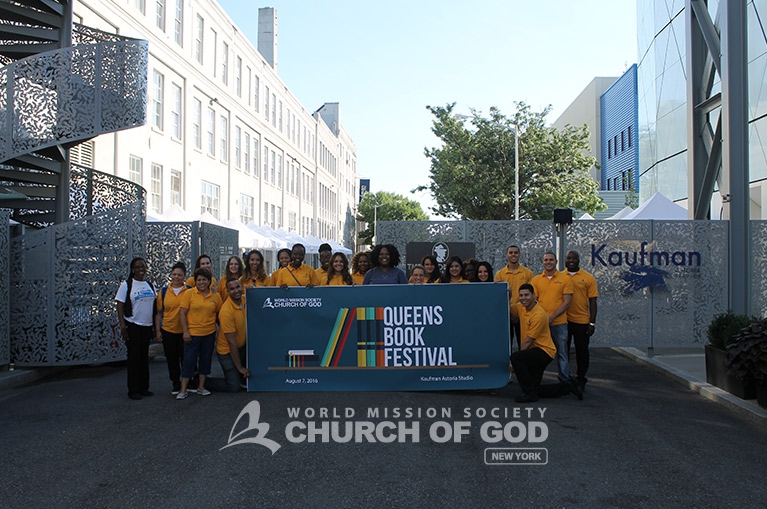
{"points": [[378, 338]]}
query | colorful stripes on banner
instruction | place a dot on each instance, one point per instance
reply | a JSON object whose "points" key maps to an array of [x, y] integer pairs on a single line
{"points": [[370, 344]]}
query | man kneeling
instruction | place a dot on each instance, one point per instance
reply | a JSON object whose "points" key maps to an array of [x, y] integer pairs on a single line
{"points": [[230, 344], [536, 351]]}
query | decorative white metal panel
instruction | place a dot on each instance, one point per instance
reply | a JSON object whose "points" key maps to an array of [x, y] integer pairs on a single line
{"points": [[5, 256], [759, 268]]}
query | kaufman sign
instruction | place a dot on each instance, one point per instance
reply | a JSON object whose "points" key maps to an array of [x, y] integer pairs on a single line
{"points": [[393, 337]]}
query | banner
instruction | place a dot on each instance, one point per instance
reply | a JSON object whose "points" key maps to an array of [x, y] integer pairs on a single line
{"points": [[378, 338]]}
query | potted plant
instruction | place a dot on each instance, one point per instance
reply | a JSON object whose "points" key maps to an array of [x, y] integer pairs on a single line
{"points": [[720, 335], [747, 357]]}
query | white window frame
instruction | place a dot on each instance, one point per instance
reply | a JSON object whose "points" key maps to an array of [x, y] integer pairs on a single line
{"points": [[175, 112], [197, 123], [211, 132], [158, 85], [155, 188], [224, 138], [247, 211], [175, 187], [136, 170], [199, 40], [210, 194]]}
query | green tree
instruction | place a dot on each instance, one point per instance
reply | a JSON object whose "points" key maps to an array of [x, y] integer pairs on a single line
{"points": [[391, 207], [472, 173]]}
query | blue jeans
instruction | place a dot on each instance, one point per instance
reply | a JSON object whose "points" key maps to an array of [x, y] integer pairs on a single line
{"points": [[231, 380], [199, 347], [559, 335]]}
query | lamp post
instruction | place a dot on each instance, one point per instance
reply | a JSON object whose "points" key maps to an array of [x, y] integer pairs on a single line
{"points": [[516, 172], [375, 222]]}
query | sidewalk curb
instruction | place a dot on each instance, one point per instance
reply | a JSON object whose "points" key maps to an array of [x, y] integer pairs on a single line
{"points": [[743, 408]]}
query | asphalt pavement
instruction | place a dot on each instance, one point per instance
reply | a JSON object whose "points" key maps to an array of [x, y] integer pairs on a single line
{"points": [[74, 439]]}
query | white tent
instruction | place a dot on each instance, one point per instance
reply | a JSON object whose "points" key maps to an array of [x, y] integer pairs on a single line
{"points": [[659, 207], [249, 238], [207, 217], [622, 213], [586, 217], [175, 214], [274, 241], [338, 248]]}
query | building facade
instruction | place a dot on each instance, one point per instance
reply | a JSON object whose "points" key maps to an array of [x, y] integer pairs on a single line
{"points": [[620, 147], [225, 135], [661, 82]]}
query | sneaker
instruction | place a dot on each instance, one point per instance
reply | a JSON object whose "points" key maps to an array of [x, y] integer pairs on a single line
{"points": [[182, 395], [193, 391], [175, 391], [203, 392]]}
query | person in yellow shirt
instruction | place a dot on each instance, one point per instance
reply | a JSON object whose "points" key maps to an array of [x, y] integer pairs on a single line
{"points": [[230, 342], [297, 273], [203, 262], [167, 324], [283, 259], [582, 314], [417, 275], [515, 275], [360, 265], [454, 271], [254, 274], [338, 272], [199, 309], [325, 253], [431, 266], [536, 352], [554, 293], [234, 269]]}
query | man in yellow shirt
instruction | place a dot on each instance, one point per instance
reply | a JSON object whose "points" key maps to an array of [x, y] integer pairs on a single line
{"points": [[536, 352], [230, 343], [582, 313], [554, 293], [297, 273], [515, 275]]}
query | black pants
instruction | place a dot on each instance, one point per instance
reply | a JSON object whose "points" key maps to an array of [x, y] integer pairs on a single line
{"points": [[139, 337], [515, 333], [173, 344], [529, 366], [578, 332]]}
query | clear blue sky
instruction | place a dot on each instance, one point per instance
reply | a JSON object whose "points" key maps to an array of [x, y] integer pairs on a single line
{"points": [[384, 62]]}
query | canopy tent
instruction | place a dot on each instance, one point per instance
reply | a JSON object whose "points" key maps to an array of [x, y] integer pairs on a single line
{"points": [[271, 241], [622, 213], [207, 217], [338, 248], [586, 217], [658, 207], [249, 238]]}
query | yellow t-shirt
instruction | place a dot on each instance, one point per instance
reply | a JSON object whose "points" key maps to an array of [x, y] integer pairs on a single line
{"points": [[460, 280], [222, 291], [253, 283], [535, 324], [304, 275], [549, 293], [515, 279], [169, 307], [213, 287], [358, 278], [322, 274], [201, 317], [584, 288], [336, 280], [231, 318]]}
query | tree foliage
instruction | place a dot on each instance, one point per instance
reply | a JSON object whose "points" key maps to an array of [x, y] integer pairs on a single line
{"points": [[391, 207], [472, 173]]}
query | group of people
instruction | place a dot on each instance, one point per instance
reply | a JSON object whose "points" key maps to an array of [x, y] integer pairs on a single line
{"points": [[195, 316]]}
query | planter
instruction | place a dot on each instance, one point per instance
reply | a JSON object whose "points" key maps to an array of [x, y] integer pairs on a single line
{"points": [[716, 374], [761, 394]]}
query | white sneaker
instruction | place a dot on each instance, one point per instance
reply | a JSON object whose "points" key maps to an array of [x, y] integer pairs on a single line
{"points": [[203, 392], [182, 395]]}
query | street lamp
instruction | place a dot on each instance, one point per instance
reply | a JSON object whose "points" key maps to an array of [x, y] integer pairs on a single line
{"points": [[516, 172], [375, 222]]}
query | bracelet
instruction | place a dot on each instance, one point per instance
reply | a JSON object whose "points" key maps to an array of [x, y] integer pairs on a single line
{"points": [[593, 324]]}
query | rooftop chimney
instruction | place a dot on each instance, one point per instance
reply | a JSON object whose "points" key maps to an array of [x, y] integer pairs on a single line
{"points": [[267, 35]]}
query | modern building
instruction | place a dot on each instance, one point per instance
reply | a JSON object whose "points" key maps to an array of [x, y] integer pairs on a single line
{"points": [[619, 147], [225, 134], [662, 77]]}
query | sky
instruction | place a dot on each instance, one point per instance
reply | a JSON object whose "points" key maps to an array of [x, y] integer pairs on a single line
{"points": [[384, 62]]}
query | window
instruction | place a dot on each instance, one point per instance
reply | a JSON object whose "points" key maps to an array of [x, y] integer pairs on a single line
{"points": [[237, 147], [82, 153], [158, 83], [210, 194], [215, 51], [136, 170], [274, 110], [140, 5], [175, 187], [197, 123], [271, 166], [279, 121], [291, 221], [255, 156], [246, 153], [279, 217], [266, 163], [238, 77], [225, 64], [175, 112], [178, 23], [246, 208], [623, 141], [211, 132], [629, 136], [279, 171], [199, 39], [224, 138], [160, 18], [615, 145], [609, 149], [155, 188], [272, 217], [265, 218], [266, 102], [256, 86]]}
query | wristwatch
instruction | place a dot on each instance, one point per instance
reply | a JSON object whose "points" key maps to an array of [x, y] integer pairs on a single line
{"points": [[593, 324]]}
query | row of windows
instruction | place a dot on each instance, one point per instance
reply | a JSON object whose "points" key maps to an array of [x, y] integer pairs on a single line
{"points": [[624, 182], [612, 145], [161, 11], [136, 174]]}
